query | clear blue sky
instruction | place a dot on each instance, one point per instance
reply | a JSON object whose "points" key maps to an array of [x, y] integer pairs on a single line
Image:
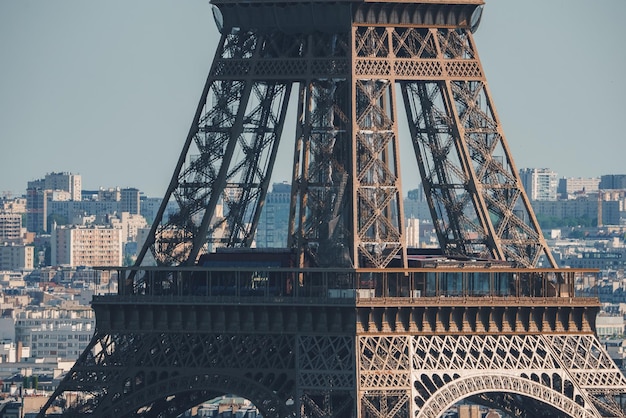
{"points": [[107, 89]]}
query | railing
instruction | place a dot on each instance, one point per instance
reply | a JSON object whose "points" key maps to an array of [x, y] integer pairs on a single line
{"points": [[315, 285]]}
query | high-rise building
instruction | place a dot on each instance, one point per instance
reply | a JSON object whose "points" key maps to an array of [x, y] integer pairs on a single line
{"points": [[412, 233], [612, 207], [39, 192], [539, 183], [68, 182], [87, 246], [129, 223], [613, 181], [10, 227], [112, 194], [17, 257], [415, 205], [273, 227], [130, 201], [149, 207], [36, 208]]}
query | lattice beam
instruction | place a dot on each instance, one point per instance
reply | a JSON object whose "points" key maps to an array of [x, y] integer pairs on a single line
{"points": [[571, 373]]}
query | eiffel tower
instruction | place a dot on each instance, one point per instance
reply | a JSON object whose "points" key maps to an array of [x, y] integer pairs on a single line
{"points": [[346, 321]]}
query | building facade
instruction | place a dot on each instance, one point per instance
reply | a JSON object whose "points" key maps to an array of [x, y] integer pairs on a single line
{"points": [[130, 201], [17, 257], [584, 207], [613, 181], [569, 187], [71, 183], [10, 227], [539, 183], [37, 209], [55, 332], [602, 260], [87, 246], [273, 230]]}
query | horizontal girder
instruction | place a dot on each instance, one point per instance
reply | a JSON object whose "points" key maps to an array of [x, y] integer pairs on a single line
{"points": [[327, 16]]}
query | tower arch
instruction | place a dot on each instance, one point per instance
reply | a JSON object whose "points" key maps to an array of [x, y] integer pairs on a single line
{"points": [[471, 385]]}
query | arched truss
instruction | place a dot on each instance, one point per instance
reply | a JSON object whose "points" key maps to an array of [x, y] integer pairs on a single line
{"points": [[189, 389], [163, 374], [467, 386], [429, 373], [136, 374]]}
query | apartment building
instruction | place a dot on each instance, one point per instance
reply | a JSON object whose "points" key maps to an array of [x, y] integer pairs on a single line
{"points": [[87, 246], [55, 332], [613, 181], [36, 209], [129, 223], [10, 227], [571, 186], [71, 183], [14, 205], [17, 257], [130, 201], [539, 183]]}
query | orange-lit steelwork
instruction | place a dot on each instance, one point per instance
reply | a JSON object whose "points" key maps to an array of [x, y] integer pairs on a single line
{"points": [[347, 321]]}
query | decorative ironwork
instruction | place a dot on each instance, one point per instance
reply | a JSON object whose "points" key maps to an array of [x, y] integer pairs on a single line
{"points": [[350, 325]]}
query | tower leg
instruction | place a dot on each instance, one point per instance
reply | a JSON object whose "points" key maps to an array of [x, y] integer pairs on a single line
{"points": [[476, 199], [229, 154], [321, 172]]}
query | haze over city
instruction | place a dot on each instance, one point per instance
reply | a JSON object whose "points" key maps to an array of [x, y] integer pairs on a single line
{"points": [[108, 89]]}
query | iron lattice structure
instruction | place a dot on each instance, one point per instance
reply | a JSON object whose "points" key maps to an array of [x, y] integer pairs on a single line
{"points": [[346, 202], [305, 354], [352, 329]]}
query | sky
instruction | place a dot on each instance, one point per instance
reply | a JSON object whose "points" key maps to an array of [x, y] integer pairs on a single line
{"points": [[108, 89]]}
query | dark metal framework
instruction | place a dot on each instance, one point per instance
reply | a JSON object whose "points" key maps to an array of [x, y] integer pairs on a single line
{"points": [[353, 330], [346, 206], [344, 343]]}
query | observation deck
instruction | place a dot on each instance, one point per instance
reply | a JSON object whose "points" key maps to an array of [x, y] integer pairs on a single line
{"points": [[337, 16], [458, 299]]}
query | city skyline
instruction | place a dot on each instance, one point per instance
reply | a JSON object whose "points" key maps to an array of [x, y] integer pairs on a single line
{"points": [[108, 91]]}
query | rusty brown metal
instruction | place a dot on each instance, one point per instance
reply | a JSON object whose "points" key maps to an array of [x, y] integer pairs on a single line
{"points": [[353, 324]]}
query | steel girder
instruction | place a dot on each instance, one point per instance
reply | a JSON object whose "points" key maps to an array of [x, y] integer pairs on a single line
{"points": [[423, 376], [476, 198], [346, 199], [310, 361], [346, 205], [163, 374], [346, 210], [377, 197], [229, 155], [319, 223]]}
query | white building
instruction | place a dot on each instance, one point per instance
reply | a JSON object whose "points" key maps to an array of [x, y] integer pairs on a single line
{"points": [[539, 183], [87, 246], [413, 233], [13, 353], [570, 186], [130, 224], [609, 325], [55, 332]]}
